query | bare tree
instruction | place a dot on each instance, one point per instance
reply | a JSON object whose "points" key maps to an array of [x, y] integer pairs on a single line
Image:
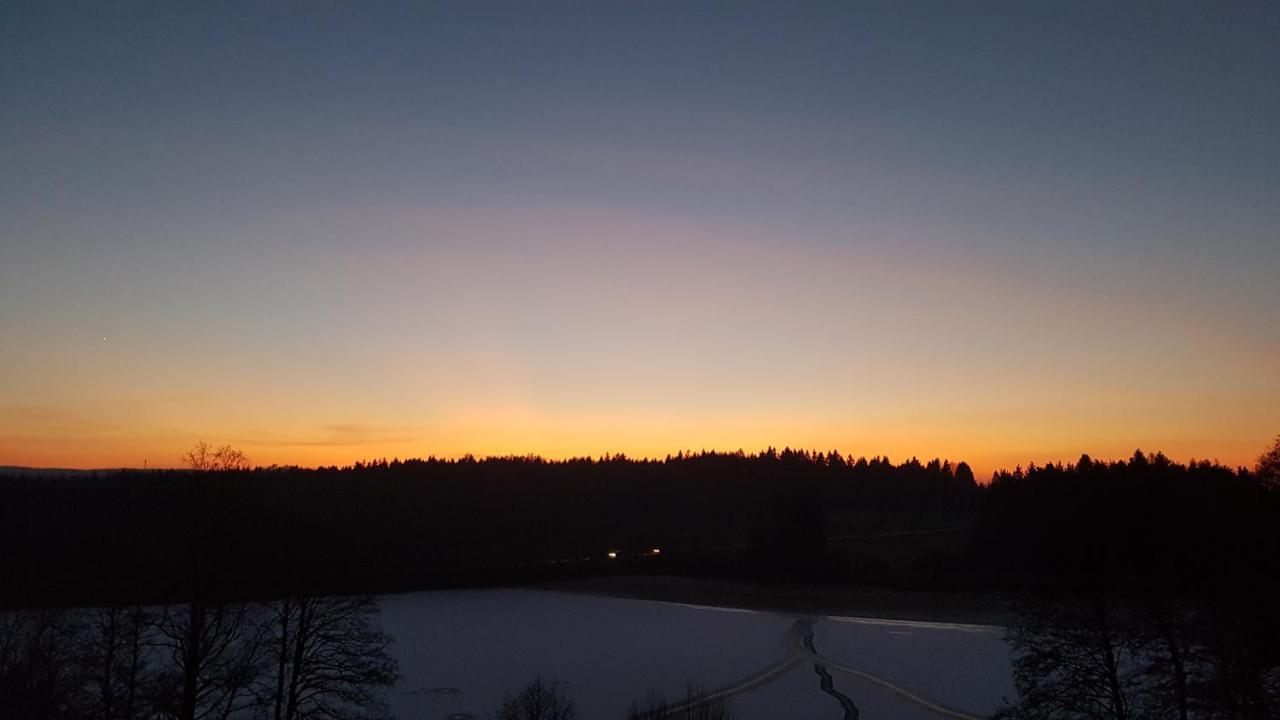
{"points": [[203, 456], [1072, 660], [1142, 658], [329, 658], [539, 700], [113, 649], [37, 665], [216, 654]]}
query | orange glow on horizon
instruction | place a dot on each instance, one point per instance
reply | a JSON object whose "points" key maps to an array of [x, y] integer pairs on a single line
{"points": [[738, 344], [984, 453]]}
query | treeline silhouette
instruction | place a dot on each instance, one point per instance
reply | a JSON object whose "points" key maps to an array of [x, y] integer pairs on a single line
{"points": [[1149, 587], [1145, 523], [378, 526], [1146, 587]]}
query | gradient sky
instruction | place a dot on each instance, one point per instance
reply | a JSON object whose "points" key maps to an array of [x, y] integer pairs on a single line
{"points": [[994, 232]]}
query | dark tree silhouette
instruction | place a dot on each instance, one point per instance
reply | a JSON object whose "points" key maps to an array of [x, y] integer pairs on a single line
{"points": [[203, 456], [1268, 467], [1155, 582], [539, 700], [37, 665], [1111, 658], [215, 653], [125, 538], [1074, 661], [113, 647], [206, 662], [328, 658]]}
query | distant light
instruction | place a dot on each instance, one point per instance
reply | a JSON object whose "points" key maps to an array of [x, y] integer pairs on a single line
{"points": [[613, 555], [656, 551]]}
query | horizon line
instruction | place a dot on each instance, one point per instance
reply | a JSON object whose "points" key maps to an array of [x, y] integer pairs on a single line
{"points": [[847, 457]]}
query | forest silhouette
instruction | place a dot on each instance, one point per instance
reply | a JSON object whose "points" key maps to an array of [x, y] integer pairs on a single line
{"points": [[1145, 586], [252, 534]]}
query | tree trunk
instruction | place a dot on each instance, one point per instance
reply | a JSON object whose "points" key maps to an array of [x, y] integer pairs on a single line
{"points": [[283, 657], [191, 661], [1119, 707], [108, 663], [135, 647], [1179, 664], [299, 647]]}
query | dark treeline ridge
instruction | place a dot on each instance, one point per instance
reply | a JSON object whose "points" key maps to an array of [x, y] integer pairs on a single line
{"points": [[1146, 524], [162, 535], [1149, 586], [381, 526]]}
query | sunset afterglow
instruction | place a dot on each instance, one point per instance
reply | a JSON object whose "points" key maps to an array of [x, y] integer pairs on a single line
{"points": [[467, 239]]}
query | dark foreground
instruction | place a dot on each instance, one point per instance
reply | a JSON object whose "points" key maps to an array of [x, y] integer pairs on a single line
{"points": [[1143, 588]]}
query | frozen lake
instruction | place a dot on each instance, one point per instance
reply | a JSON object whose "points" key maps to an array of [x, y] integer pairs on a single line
{"points": [[460, 652]]}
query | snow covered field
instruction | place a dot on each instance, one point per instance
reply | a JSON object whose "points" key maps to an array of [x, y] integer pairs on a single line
{"points": [[460, 652]]}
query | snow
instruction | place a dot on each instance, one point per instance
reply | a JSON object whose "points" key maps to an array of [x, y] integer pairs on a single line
{"points": [[460, 652]]}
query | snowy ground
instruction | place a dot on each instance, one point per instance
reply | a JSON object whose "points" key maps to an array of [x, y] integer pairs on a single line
{"points": [[460, 652]]}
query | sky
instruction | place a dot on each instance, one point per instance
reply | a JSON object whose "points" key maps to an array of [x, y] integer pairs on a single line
{"points": [[323, 232]]}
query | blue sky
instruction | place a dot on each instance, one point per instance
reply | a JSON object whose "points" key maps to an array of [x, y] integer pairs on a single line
{"points": [[1007, 231]]}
